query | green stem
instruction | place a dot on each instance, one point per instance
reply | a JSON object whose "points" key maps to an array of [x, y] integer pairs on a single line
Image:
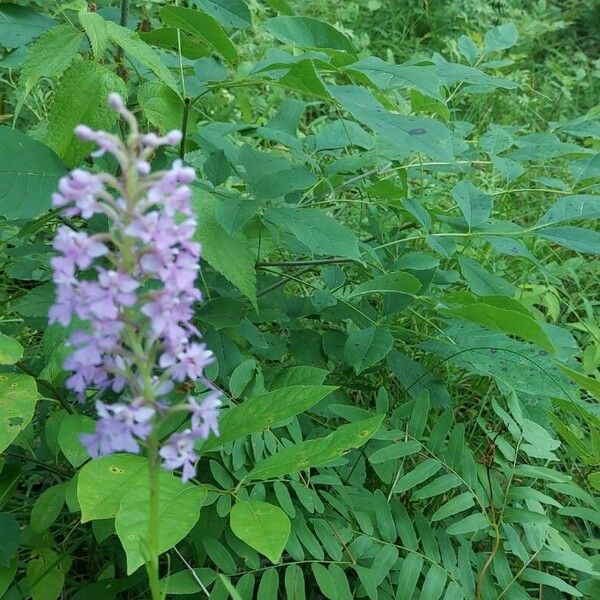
{"points": [[123, 22], [153, 517], [184, 126]]}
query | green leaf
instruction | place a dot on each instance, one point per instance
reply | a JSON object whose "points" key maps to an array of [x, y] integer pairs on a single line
{"points": [[398, 282], [161, 105], [19, 25], [474, 204], [45, 574], [47, 507], [422, 472], [179, 510], [367, 347], [95, 28], [503, 314], [320, 233], [308, 32], [589, 384], [579, 239], [260, 412], [470, 524], [230, 13], [103, 481], [501, 37], [10, 538], [313, 453], [571, 208], [185, 582], [437, 487], [541, 578], [29, 173], [136, 48], [71, 428], [229, 254], [263, 526], [294, 583], [455, 505], [11, 350], [81, 97], [482, 282], [18, 397], [199, 24], [304, 78], [409, 575], [50, 55], [7, 574], [395, 451]]}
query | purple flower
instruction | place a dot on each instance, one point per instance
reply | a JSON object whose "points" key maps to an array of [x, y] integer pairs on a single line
{"points": [[136, 298], [179, 452], [119, 428]]}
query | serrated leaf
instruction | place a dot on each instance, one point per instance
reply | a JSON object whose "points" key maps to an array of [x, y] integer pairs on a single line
{"points": [[161, 105], [81, 97], [50, 55], [308, 32], [229, 254], [202, 25], [95, 28], [18, 397], [131, 44], [262, 526]]}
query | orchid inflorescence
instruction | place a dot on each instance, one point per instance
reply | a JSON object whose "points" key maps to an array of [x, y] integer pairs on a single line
{"points": [[128, 293]]}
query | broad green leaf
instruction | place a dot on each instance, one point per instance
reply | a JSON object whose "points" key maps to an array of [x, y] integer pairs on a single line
{"points": [[11, 350], [437, 487], [136, 48], [367, 347], [185, 582], [398, 282], [470, 524], [320, 233], [7, 574], [179, 509], [71, 428], [589, 384], [103, 481], [10, 538], [18, 397], [521, 366], [578, 239], [81, 97], [504, 314], [304, 78], [324, 581], [481, 281], [50, 55], [232, 213], [175, 40], [29, 173], [571, 208], [230, 13], [19, 24], [422, 472], [229, 254], [161, 106], [476, 206], [45, 574], [260, 412], [313, 453], [409, 575], [294, 583], [202, 25], [96, 30], [435, 582], [271, 176], [268, 588], [262, 526], [308, 32], [501, 37], [403, 134], [47, 507]]}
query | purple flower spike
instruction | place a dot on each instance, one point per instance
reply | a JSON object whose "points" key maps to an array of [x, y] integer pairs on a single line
{"points": [[136, 298]]}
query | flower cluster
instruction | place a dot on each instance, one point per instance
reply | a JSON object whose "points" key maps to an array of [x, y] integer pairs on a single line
{"points": [[128, 294]]}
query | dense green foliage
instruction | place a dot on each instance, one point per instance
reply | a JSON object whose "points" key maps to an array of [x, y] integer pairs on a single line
{"points": [[398, 212]]}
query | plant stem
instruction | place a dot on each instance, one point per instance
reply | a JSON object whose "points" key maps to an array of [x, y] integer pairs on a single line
{"points": [[184, 125], [123, 22], [153, 516]]}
